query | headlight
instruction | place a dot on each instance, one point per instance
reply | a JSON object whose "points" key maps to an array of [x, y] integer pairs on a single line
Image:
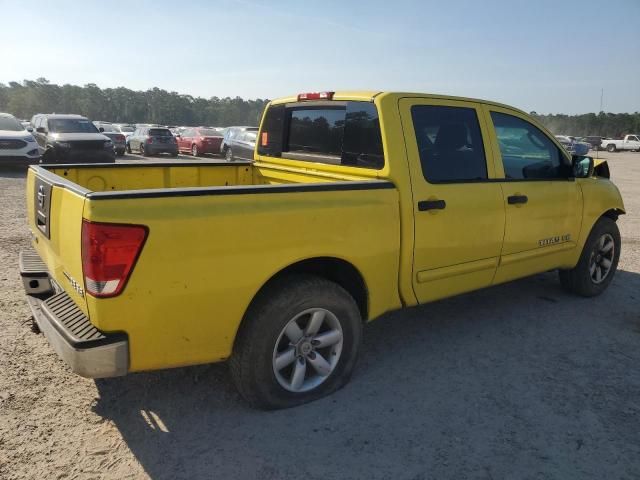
{"points": [[108, 144], [63, 144]]}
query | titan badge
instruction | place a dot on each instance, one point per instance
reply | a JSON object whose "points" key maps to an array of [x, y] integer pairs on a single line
{"points": [[553, 240]]}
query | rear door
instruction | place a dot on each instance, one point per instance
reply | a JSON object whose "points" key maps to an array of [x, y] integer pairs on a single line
{"points": [[543, 202], [458, 208]]}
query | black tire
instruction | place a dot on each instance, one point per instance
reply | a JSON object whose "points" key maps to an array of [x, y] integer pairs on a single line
{"points": [[611, 148], [228, 155], [174, 155], [128, 148], [251, 364], [194, 150], [579, 279], [143, 150]]}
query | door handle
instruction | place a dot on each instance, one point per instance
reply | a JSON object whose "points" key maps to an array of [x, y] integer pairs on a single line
{"points": [[425, 205], [516, 199]]}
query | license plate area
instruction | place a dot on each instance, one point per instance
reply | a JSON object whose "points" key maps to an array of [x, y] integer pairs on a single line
{"points": [[42, 206]]}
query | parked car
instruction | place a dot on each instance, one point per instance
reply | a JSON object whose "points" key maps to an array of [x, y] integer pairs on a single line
{"points": [[71, 139], [229, 133], [125, 129], [17, 146], [119, 140], [629, 142], [593, 141], [152, 141], [571, 143], [276, 264], [241, 146], [198, 141]]}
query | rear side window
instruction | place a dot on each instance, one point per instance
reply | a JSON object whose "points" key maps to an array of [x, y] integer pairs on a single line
{"points": [[337, 133], [527, 153], [450, 144]]}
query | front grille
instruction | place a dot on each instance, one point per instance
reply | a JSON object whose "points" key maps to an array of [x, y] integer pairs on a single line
{"points": [[12, 144], [87, 145]]}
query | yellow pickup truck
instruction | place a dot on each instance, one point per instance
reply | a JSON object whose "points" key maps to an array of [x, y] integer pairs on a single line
{"points": [[356, 203]]}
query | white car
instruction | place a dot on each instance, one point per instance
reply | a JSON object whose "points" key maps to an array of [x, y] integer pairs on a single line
{"points": [[17, 145]]}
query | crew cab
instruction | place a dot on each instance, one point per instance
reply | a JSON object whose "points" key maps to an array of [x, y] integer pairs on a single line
{"points": [[629, 142], [355, 204]]}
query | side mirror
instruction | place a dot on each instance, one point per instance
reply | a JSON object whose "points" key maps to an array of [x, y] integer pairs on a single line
{"points": [[41, 130], [582, 166], [580, 149], [101, 129], [29, 129]]}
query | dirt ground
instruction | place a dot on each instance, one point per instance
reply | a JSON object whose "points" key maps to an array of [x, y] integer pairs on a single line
{"points": [[519, 381]]}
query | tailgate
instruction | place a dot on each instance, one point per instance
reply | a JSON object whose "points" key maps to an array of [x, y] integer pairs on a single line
{"points": [[54, 208]]}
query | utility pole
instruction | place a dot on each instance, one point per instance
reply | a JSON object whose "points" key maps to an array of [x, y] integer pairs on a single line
{"points": [[601, 97]]}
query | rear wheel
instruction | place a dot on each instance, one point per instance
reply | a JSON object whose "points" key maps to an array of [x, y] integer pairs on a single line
{"points": [[128, 148], [143, 150], [611, 147], [194, 150], [598, 261], [299, 342]]}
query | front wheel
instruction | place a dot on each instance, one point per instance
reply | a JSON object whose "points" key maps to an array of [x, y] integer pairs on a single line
{"points": [[298, 342], [229, 155], [598, 261], [194, 150], [128, 148]]}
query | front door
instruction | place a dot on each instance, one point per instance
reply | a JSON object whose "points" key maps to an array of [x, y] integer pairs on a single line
{"points": [[459, 214], [543, 202]]}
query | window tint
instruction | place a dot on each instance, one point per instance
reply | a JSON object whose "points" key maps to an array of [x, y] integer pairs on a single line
{"points": [[160, 132], [450, 143], [527, 153], [339, 133]]}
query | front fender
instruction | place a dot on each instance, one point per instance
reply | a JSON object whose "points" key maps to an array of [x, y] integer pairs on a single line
{"points": [[600, 196]]}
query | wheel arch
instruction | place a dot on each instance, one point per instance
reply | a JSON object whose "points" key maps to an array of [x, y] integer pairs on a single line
{"points": [[334, 269]]}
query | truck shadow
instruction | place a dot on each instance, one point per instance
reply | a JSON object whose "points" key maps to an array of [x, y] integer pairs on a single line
{"points": [[499, 381]]}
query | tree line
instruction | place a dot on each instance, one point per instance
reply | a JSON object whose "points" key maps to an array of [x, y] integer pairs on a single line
{"points": [[603, 124], [172, 108], [122, 105]]}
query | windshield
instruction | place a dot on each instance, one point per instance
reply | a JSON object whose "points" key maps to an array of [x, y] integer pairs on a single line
{"points": [[160, 132], [11, 124], [208, 132], [127, 129], [71, 125]]}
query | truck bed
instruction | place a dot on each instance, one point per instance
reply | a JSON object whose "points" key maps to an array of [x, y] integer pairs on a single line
{"points": [[134, 175]]}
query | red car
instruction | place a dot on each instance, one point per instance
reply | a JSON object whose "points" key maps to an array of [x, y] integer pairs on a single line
{"points": [[199, 140]]}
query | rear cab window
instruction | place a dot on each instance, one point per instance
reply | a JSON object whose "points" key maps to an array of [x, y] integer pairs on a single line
{"points": [[160, 132], [345, 133]]}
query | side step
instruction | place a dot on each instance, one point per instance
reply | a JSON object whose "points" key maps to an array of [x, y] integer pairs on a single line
{"points": [[35, 276]]}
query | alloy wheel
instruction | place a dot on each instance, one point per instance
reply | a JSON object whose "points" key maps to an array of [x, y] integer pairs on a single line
{"points": [[602, 258], [308, 350]]}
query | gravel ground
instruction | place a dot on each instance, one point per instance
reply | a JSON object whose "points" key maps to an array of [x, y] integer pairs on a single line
{"points": [[516, 381]]}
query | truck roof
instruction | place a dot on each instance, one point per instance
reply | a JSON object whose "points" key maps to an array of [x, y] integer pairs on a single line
{"points": [[369, 95]]}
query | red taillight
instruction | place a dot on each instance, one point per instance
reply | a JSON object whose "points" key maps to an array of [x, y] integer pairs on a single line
{"points": [[120, 138], [109, 253], [315, 96], [150, 140]]}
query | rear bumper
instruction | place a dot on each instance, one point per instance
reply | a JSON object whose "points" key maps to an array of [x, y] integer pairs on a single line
{"points": [[85, 156], [161, 148], [88, 351]]}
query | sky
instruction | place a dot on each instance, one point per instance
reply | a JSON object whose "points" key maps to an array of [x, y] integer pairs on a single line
{"points": [[543, 55]]}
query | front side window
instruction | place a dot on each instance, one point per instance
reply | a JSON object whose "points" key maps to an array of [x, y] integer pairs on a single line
{"points": [[336, 133], [449, 143], [527, 153]]}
